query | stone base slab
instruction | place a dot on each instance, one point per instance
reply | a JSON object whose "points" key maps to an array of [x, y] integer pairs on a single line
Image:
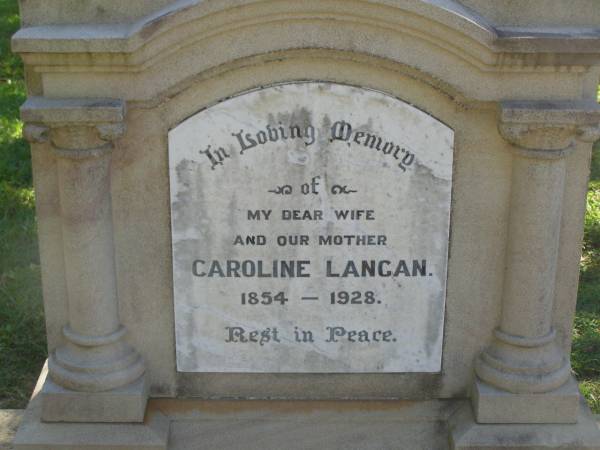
{"points": [[304, 425], [124, 404], [493, 405], [307, 425], [466, 434], [188, 424], [34, 434]]}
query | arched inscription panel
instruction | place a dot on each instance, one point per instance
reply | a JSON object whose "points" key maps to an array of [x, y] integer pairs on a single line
{"points": [[310, 232]]}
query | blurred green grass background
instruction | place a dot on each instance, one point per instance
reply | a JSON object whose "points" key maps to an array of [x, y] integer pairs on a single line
{"points": [[22, 329]]}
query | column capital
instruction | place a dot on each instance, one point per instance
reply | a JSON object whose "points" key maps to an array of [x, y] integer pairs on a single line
{"points": [[548, 129], [76, 128]]}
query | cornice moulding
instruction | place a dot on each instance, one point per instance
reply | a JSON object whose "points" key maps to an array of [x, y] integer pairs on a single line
{"points": [[438, 16]]}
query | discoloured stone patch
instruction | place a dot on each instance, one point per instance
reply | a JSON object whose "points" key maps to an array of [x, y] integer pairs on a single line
{"points": [[9, 421]]}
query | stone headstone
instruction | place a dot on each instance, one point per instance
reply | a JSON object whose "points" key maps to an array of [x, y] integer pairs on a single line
{"points": [[372, 205]]}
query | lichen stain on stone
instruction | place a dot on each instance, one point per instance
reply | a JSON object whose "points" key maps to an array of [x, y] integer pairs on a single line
{"points": [[429, 385], [298, 152], [180, 206], [100, 13]]}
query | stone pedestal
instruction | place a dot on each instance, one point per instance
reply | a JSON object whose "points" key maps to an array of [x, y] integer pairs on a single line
{"points": [[467, 434], [151, 433], [494, 405], [95, 376]]}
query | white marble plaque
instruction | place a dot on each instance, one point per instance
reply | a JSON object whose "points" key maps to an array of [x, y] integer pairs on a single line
{"points": [[310, 232]]}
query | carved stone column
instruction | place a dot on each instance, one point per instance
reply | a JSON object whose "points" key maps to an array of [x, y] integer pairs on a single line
{"points": [[96, 376], [525, 376]]}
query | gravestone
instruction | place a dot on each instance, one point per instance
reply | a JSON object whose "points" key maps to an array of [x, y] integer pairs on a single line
{"points": [[317, 224]]}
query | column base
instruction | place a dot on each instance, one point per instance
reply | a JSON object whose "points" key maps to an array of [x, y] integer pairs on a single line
{"points": [[123, 404], [94, 363], [466, 434], [34, 434], [493, 405]]}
